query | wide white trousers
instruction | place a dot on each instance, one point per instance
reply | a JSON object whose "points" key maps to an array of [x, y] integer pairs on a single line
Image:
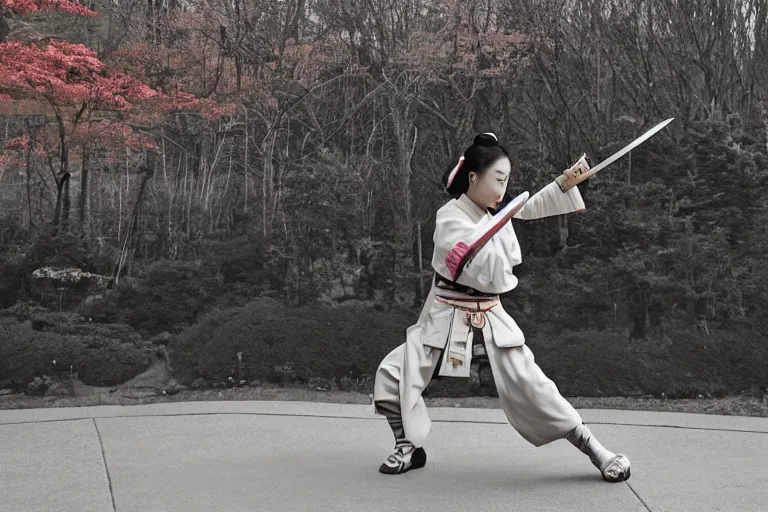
{"points": [[531, 401]]}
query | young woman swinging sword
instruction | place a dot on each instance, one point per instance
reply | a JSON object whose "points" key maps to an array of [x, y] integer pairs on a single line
{"points": [[463, 309]]}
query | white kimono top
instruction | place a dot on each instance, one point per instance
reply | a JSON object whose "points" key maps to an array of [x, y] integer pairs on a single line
{"points": [[490, 271]]}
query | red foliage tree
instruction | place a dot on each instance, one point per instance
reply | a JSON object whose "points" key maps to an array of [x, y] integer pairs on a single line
{"points": [[177, 72], [9, 8], [72, 84], [33, 6], [95, 110]]}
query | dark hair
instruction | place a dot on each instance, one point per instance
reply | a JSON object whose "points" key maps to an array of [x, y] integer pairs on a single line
{"points": [[478, 157]]}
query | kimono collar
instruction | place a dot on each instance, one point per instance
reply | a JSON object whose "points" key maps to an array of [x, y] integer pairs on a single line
{"points": [[470, 208]]}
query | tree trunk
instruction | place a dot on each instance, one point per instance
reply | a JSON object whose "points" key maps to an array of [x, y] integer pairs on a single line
{"points": [[67, 204], [245, 163], [5, 29], [405, 137], [29, 222], [85, 204], [298, 15], [60, 213], [62, 184], [239, 72], [127, 246]]}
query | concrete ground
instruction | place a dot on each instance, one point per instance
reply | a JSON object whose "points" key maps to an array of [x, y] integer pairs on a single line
{"points": [[296, 456]]}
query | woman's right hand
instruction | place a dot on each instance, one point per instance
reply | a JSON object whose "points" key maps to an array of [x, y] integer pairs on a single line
{"points": [[574, 175]]}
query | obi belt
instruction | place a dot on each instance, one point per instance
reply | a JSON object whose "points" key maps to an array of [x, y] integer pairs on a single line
{"points": [[467, 324]]}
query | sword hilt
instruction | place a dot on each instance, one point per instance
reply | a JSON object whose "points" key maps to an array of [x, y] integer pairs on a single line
{"points": [[581, 175]]}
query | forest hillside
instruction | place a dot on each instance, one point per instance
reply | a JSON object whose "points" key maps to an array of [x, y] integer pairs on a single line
{"points": [[261, 178]]}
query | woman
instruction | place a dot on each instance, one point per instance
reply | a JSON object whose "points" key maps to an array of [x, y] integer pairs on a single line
{"points": [[462, 313]]}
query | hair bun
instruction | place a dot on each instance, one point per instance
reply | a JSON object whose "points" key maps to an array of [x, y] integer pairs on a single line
{"points": [[487, 139]]}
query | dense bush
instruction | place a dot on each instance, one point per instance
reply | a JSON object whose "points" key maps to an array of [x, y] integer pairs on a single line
{"points": [[169, 297], [50, 246], [334, 342], [321, 341], [682, 363], [101, 356], [296, 344]]}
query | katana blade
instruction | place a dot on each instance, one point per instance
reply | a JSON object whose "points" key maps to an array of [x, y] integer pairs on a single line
{"points": [[626, 149]]}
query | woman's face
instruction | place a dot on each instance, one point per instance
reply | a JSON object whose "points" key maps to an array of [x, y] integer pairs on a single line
{"points": [[487, 189]]}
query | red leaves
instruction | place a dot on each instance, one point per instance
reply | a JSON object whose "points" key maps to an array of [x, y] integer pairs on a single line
{"points": [[70, 79], [96, 106], [106, 136], [19, 143], [8, 162], [10, 158], [64, 74], [180, 70], [34, 6], [209, 110]]}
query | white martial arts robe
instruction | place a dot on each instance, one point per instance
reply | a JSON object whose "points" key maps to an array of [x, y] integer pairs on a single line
{"points": [[531, 401]]}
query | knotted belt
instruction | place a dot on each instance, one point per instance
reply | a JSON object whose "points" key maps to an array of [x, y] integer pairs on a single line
{"points": [[473, 309]]}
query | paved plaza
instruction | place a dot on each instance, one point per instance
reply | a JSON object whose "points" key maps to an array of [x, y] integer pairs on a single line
{"points": [[297, 456]]}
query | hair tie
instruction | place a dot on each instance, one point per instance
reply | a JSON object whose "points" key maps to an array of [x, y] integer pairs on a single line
{"points": [[454, 172]]}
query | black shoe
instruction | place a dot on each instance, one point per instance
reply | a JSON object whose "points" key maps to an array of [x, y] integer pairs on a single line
{"points": [[403, 460]]}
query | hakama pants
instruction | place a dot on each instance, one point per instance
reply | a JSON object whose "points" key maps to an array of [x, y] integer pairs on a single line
{"points": [[531, 401]]}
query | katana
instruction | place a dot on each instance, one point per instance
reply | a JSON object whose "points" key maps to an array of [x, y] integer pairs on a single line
{"points": [[608, 161], [486, 228], [464, 251]]}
